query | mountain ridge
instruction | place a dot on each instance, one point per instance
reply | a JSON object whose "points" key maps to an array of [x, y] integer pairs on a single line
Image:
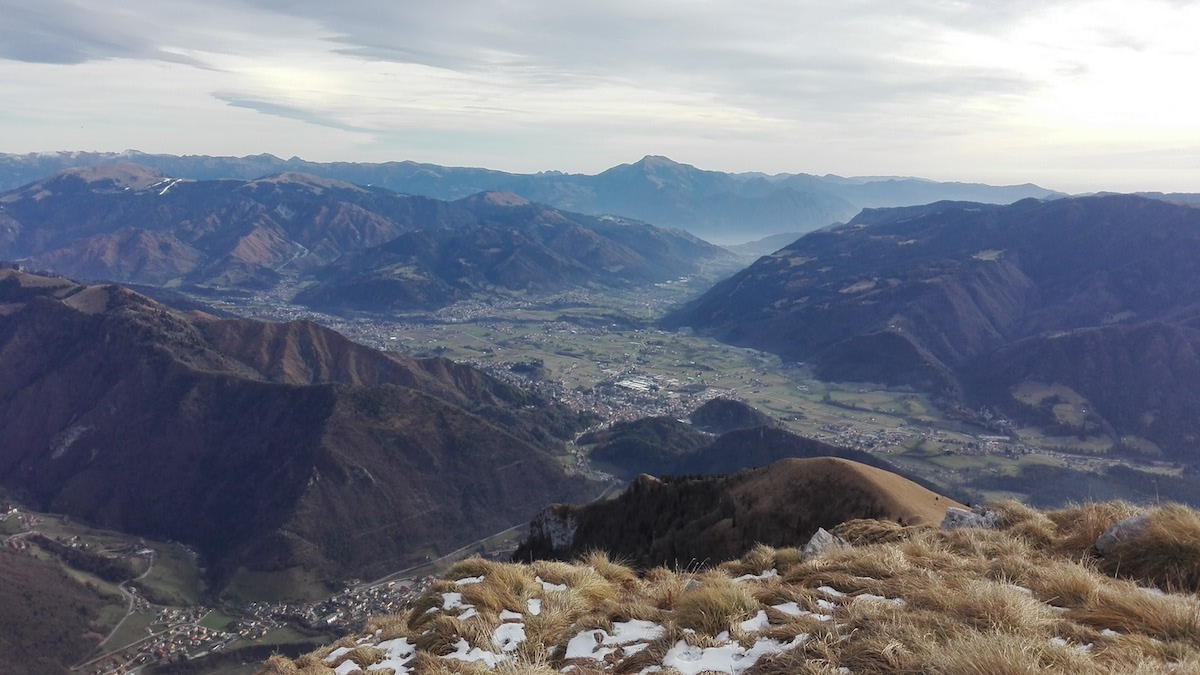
{"points": [[268, 447], [920, 296], [728, 208], [128, 223]]}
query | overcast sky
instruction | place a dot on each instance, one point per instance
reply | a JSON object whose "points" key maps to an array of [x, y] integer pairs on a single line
{"points": [[1078, 96]]}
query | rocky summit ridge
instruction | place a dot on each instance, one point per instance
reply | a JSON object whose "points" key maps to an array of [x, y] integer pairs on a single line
{"points": [[1030, 592]]}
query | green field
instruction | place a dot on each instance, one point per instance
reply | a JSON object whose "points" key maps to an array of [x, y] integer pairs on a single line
{"points": [[175, 579], [217, 620], [132, 631]]}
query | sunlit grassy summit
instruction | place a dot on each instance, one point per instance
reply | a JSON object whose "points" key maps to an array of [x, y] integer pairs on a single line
{"points": [[1031, 595]]}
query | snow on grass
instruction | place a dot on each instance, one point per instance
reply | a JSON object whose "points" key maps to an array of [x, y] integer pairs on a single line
{"points": [[589, 645], [756, 624], [597, 644], [868, 597], [508, 636], [790, 608], [454, 601], [769, 574], [731, 658], [1103, 624], [793, 609], [398, 653], [547, 586], [464, 652]]}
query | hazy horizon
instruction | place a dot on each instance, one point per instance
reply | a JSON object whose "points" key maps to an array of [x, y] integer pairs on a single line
{"points": [[1077, 96]]}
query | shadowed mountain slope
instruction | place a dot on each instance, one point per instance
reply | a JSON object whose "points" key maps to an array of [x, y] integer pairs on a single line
{"points": [[514, 245], [689, 520], [48, 619], [722, 415], [973, 302], [132, 223], [369, 248], [270, 447]]}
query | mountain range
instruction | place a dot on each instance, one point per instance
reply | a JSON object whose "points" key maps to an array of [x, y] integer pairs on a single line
{"points": [[1080, 314], [727, 208], [515, 245], [273, 448], [369, 248]]}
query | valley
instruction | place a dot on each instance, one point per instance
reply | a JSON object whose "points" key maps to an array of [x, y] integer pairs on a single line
{"points": [[598, 351], [333, 392], [164, 620]]}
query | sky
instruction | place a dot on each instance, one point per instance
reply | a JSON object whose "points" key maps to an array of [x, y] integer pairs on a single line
{"points": [[1078, 96]]}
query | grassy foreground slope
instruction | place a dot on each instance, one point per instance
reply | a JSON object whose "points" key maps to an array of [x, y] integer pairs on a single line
{"points": [[1031, 596]]}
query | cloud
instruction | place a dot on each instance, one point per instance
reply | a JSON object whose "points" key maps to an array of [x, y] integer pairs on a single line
{"points": [[62, 32], [287, 111], [868, 86]]}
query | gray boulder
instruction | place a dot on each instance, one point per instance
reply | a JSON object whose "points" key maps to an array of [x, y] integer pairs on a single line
{"points": [[979, 517], [820, 543], [1120, 531]]}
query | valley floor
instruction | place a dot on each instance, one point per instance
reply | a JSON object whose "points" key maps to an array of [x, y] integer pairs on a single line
{"points": [[599, 352]]}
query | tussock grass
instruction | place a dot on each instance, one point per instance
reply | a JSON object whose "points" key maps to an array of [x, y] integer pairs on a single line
{"points": [[614, 572], [1128, 609], [1001, 654], [1167, 554], [862, 532], [1063, 584], [1080, 525], [440, 635], [1030, 597], [713, 608]]}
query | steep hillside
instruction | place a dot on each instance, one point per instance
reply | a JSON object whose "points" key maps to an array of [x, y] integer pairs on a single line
{"points": [[722, 415], [697, 520], [652, 445], [128, 223], [1034, 593], [131, 223], [270, 447], [664, 446], [983, 304], [49, 621], [514, 245]]}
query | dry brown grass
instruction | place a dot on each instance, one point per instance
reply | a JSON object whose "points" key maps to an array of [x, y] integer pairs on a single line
{"points": [[1129, 609], [1080, 525], [1167, 554], [714, 607], [611, 570], [864, 531], [1002, 654], [1030, 597]]}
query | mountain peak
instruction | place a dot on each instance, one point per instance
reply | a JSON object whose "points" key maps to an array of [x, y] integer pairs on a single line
{"points": [[504, 199], [658, 160], [315, 183], [122, 175]]}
